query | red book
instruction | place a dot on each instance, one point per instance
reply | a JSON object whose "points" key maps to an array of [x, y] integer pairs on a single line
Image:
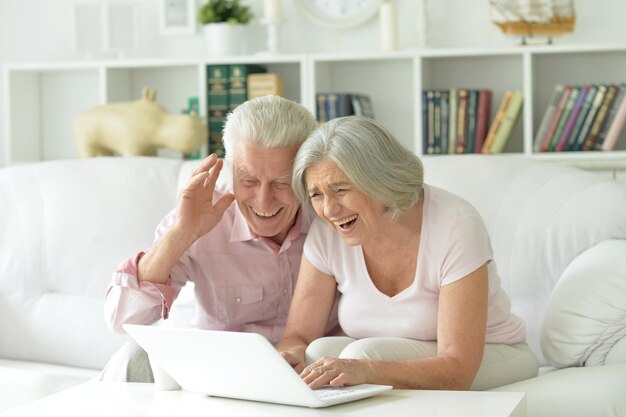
{"points": [[482, 119]]}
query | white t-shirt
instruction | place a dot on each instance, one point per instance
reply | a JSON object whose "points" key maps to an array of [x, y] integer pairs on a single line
{"points": [[453, 243]]}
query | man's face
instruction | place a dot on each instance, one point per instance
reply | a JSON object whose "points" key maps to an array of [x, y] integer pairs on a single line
{"points": [[262, 188]]}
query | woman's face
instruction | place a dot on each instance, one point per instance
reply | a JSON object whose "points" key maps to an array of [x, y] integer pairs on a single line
{"points": [[351, 213]]}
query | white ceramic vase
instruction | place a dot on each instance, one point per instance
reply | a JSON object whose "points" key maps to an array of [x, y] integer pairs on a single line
{"points": [[224, 39]]}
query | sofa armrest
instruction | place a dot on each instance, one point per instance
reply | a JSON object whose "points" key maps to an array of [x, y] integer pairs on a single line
{"points": [[585, 321], [575, 392]]}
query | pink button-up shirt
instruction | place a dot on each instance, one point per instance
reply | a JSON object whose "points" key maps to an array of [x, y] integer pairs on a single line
{"points": [[243, 282]]}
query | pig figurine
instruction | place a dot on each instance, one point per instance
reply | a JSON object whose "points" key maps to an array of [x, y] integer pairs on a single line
{"points": [[137, 128]]}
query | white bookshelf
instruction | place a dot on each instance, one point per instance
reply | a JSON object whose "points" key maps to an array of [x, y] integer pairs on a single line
{"points": [[43, 99]]}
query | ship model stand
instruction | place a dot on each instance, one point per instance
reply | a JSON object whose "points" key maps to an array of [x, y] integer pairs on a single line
{"points": [[534, 18]]}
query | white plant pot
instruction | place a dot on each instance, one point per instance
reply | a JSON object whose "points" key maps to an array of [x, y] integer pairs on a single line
{"points": [[224, 39]]}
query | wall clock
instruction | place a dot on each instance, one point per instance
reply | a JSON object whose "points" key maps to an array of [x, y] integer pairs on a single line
{"points": [[339, 14]]}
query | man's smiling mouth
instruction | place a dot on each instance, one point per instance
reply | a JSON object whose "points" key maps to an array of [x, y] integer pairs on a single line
{"points": [[265, 213]]}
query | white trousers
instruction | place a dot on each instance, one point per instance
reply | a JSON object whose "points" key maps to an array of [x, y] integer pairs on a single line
{"points": [[501, 364]]}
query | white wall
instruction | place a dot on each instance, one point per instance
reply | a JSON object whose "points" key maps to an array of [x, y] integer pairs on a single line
{"points": [[42, 30]]}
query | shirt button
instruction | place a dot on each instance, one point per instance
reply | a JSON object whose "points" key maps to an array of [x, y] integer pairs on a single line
{"points": [[238, 299], [285, 291]]}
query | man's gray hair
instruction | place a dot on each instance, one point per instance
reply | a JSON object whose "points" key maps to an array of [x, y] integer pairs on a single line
{"points": [[371, 157], [272, 121]]}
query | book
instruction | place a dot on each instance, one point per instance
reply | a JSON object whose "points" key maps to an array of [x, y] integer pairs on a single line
{"points": [[610, 116], [472, 112], [338, 105], [615, 129], [430, 105], [567, 110], [362, 105], [497, 121], [511, 115], [598, 122], [452, 112], [437, 122], [265, 84], [320, 108], [569, 126], [217, 106], [589, 118], [461, 121], [554, 123], [547, 117], [482, 119], [584, 111], [425, 123], [238, 82], [445, 109]]}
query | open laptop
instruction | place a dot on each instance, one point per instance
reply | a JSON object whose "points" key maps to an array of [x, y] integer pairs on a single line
{"points": [[236, 365]]}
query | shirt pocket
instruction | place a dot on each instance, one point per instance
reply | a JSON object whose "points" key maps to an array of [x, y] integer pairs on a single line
{"points": [[239, 304]]}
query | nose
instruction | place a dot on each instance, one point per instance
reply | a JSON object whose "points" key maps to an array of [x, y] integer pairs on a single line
{"points": [[330, 206], [265, 197]]}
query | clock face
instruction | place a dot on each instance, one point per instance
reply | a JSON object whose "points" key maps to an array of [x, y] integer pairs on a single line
{"points": [[339, 13]]}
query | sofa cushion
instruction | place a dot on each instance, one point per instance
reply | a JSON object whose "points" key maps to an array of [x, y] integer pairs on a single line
{"points": [[21, 382], [586, 316], [66, 226], [540, 216]]}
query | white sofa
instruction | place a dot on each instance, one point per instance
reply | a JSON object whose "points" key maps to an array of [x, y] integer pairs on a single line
{"points": [[559, 237]]}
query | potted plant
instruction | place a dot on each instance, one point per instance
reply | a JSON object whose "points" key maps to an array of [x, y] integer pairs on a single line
{"points": [[223, 25]]}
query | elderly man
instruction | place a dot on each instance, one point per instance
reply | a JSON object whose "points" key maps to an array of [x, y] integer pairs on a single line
{"points": [[243, 258]]}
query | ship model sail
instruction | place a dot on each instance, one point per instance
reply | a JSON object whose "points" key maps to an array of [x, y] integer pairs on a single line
{"points": [[535, 17]]}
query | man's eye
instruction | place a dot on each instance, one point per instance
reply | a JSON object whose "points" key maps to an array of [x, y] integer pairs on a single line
{"points": [[249, 182], [314, 195], [282, 185]]}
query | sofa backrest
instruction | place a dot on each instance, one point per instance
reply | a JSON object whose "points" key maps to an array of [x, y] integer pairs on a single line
{"points": [[540, 217], [64, 227]]}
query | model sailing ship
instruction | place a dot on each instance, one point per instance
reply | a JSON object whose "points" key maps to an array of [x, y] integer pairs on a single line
{"points": [[529, 18]]}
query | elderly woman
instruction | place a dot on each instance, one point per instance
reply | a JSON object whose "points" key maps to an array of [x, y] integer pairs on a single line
{"points": [[421, 302]]}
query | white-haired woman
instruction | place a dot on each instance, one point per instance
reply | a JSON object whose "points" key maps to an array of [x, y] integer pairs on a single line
{"points": [[421, 302]]}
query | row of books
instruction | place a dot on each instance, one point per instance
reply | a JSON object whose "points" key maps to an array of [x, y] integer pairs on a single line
{"points": [[582, 118], [331, 105], [230, 85], [457, 121]]}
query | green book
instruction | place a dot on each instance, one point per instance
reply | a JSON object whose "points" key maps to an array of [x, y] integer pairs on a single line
{"points": [[217, 106], [472, 112], [238, 82]]}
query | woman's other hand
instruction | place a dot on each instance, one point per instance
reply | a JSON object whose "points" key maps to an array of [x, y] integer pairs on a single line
{"points": [[296, 361]]}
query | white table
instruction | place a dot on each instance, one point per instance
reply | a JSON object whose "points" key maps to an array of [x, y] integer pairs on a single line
{"points": [[137, 400]]}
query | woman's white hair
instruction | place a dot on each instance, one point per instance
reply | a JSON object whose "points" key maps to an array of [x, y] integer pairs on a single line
{"points": [[370, 156], [272, 121]]}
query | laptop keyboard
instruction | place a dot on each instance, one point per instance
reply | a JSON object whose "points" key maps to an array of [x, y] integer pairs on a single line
{"points": [[328, 393]]}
